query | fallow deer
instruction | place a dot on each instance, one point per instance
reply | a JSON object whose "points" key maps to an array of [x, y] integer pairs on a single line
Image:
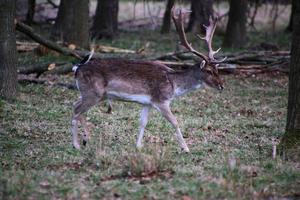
{"points": [[149, 83]]}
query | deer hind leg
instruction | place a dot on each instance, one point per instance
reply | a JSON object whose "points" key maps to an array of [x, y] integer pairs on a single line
{"points": [[143, 123], [109, 108], [79, 109], [167, 113]]}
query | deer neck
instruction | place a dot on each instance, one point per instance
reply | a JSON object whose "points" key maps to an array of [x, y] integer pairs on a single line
{"points": [[186, 81]]}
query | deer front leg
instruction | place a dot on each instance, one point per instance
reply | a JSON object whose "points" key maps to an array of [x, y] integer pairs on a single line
{"points": [[143, 123], [74, 126], [80, 108], [74, 131], [166, 112], [86, 135]]}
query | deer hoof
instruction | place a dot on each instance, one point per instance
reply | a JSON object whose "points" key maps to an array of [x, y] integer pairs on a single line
{"points": [[186, 150], [76, 146]]}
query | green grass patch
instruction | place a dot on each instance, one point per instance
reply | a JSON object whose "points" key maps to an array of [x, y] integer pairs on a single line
{"points": [[230, 135]]}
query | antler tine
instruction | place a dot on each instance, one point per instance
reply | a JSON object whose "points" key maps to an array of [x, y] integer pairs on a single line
{"points": [[210, 30], [180, 30]]}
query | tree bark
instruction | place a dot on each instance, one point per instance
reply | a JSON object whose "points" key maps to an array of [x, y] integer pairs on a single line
{"points": [[289, 28], [201, 12], [106, 19], [291, 140], [8, 65], [30, 12], [71, 24], [167, 17], [236, 28]]}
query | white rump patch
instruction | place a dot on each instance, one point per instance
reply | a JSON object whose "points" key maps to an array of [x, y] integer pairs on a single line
{"points": [[74, 68]]}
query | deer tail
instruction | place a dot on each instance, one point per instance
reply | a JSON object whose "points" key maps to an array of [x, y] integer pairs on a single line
{"points": [[85, 60]]}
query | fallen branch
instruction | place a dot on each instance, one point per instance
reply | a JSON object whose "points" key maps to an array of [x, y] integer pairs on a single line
{"points": [[39, 68], [26, 46], [249, 61], [108, 49], [259, 56], [177, 64], [45, 82], [170, 56], [79, 54], [62, 69], [40, 39]]}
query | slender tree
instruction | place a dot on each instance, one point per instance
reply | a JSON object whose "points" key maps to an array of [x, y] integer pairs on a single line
{"points": [[236, 28], [8, 61], [291, 140], [202, 10], [106, 19], [30, 11], [289, 28], [167, 17], [71, 24]]}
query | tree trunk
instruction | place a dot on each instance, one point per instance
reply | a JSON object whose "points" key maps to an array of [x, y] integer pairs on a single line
{"points": [[291, 140], [201, 12], [71, 24], [30, 12], [289, 28], [106, 19], [167, 17], [8, 66], [236, 28]]}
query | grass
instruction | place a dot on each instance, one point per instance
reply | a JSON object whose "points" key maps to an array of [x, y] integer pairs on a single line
{"points": [[230, 135]]}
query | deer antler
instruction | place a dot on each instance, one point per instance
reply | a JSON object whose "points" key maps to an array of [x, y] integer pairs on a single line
{"points": [[210, 30], [178, 21]]}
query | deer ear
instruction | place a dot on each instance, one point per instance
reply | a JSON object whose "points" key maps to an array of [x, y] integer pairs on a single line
{"points": [[202, 64]]}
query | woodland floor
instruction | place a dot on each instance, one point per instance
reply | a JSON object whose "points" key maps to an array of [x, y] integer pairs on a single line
{"points": [[239, 125], [230, 134]]}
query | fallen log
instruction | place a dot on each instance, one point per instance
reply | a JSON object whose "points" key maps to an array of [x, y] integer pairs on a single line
{"points": [[170, 56], [40, 39], [176, 64], [109, 49], [26, 46], [62, 69], [259, 57], [45, 82], [79, 54], [39, 69], [247, 61]]}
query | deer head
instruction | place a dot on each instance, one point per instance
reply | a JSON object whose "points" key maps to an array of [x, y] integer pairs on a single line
{"points": [[209, 65]]}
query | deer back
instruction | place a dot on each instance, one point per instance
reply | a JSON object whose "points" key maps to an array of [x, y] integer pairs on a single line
{"points": [[128, 77]]}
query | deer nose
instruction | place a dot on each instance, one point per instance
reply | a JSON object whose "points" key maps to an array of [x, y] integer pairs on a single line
{"points": [[221, 87]]}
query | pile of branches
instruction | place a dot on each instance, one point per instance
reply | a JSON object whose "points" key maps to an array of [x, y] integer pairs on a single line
{"points": [[254, 62], [251, 62]]}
